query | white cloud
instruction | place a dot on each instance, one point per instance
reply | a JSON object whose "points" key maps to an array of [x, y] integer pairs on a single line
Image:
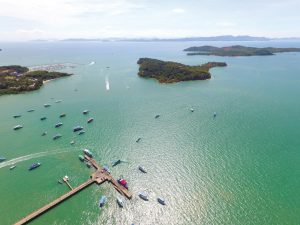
{"points": [[178, 10]]}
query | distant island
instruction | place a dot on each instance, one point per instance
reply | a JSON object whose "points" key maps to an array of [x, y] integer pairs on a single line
{"points": [[170, 72], [17, 79], [237, 50]]}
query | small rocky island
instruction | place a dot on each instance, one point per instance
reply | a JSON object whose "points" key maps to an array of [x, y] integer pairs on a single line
{"points": [[17, 79], [237, 50], [170, 72]]}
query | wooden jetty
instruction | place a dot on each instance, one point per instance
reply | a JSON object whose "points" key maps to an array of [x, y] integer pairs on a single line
{"points": [[99, 176]]}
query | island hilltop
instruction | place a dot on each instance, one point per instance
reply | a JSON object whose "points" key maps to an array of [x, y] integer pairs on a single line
{"points": [[17, 79], [237, 50], [170, 72]]}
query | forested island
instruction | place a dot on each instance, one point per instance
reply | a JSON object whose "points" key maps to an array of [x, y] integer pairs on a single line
{"points": [[170, 72], [17, 79], [237, 50]]}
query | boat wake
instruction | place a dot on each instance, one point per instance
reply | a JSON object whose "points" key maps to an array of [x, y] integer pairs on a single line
{"points": [[91, 63], [28, 157], [107, 84]]}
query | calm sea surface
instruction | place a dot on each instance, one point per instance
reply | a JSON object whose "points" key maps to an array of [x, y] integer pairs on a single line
{"points": [[243, 167]]}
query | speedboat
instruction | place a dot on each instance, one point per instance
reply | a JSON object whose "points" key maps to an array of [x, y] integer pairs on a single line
{"points": [[34, 166], [88, 153], [161, 200], [57, 136], [123, 182], [81, 132], [143, 196], [157, 116], [90, 120], [18, 127], [43, 118], [12, 167], [85, 112], [44, 133], [47, 105], [62, 115], [17, 116], [77, 128], [116, 162], [102, 201], [58, 125], [141, 168], [120, 202], [30, 110], [2, 159], [138, 140], [81, 158]]}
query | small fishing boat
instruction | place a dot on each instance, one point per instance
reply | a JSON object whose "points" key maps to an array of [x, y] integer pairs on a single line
{"points": [[2, 159], [116, 162], [57, 136], [34, 166], [157, 116], [62, 115], [90, 120], [88, 153], [85, 112], [138, 140], [43, 118], [77, 128], [123, 182], [72, 142], [143, 196], [81, 132], [58, 125], [17, 116], [44, 133], [142, 169], [161, 200], [12, 167], [102, 201], [30, 110], [120, 202], [18, 127], [47, 105], [191, 109], [81, 158]]}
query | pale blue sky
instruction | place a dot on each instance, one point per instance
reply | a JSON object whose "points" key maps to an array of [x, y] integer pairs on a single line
{"points": [[59, 19]]}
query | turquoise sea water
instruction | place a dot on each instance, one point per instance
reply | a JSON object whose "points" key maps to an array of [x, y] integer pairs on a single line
{"points": [[241, 168]]}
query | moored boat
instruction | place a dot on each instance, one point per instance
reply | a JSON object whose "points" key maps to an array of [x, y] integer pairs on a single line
{"points": [[81, 132], [88, 153], [161, 200], [43, 118], [85, 112], [120, 202], [157, 116], [60, 181], [90, 120], [44, 133], [30, 110], [81, 158], [58, 125], [18, 127], [58, 101], [102, 201], [62, 115], [143, 196], [57, 136], [72, 142], [106, 168], [142, 169], [2, 159], [77, 128], [47, 105], [215, 114], [138, 140], [17, 116], [123, 182], [34, 166], [191, 109]]}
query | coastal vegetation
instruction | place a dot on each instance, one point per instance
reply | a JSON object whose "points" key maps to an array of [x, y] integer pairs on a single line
{"points": [[170, 72], [237, 50], [16, 79]]}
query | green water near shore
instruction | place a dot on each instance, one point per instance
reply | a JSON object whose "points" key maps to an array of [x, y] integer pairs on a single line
{"points": [[242, 167]]}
